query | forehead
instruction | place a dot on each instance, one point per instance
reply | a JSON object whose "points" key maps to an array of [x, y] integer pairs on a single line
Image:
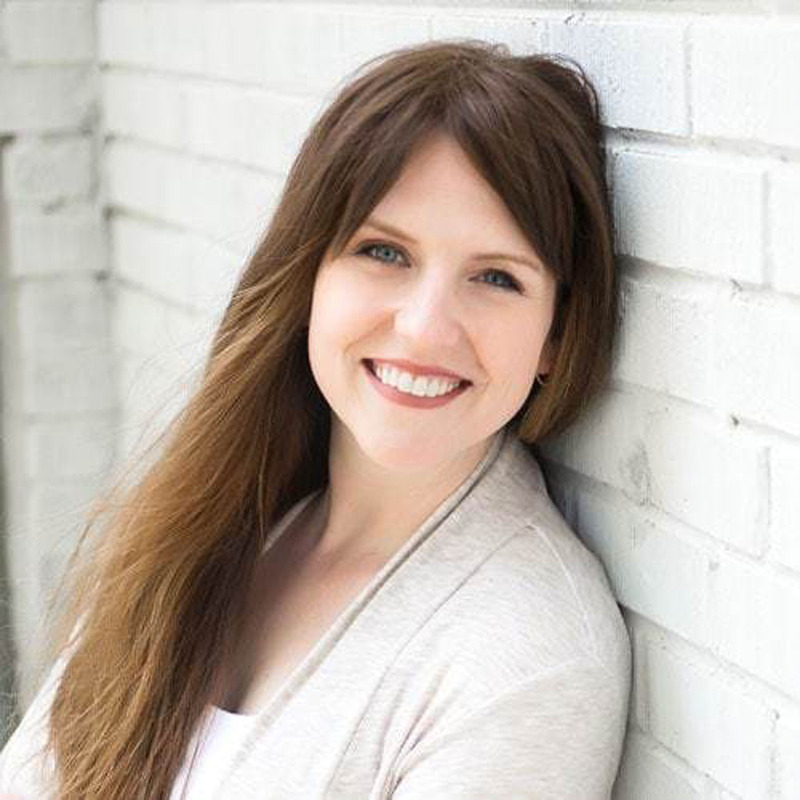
{"points": [[440, 193], [438, 168]]}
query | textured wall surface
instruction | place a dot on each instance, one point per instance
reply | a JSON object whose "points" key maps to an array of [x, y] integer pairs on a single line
{"points": [[58, 396], [684, 476]]}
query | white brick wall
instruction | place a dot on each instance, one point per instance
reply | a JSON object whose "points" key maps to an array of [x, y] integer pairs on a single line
{"points": [[61, 241], [744, 80], [45, 99], [788, 757], [759, 350], [784, 231], [58, 397], [638, 66], [49, 32], [683, 478], [691, 211], [785, 505], [686, 702], [43, 172]]}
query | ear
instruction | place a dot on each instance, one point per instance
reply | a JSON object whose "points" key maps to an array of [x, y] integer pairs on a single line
{"points": [[547, 357]]}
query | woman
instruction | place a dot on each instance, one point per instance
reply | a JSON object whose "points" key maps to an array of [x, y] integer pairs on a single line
{"points": [[343, 576]]}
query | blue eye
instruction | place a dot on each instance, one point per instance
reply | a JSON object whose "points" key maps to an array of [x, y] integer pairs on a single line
{"points": [[378, 247], [508, 284]]}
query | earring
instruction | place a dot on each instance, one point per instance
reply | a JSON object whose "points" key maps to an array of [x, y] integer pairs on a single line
{"points": [[539, 378]]}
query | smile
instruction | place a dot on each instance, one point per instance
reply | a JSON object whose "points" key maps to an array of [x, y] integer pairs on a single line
{"points": [[419, 400]]}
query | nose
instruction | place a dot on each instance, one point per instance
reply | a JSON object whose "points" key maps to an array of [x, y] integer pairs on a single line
{"points": [[428, 315]]}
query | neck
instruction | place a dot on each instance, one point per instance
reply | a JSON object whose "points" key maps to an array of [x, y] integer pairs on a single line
{"points": [[370, 508]]}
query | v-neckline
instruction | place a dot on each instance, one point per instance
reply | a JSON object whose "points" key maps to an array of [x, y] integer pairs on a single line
{"points": [[273, 536], [319, 649]]}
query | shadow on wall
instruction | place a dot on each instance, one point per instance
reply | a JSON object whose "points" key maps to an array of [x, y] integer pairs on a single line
{"points": [[9, 712]]}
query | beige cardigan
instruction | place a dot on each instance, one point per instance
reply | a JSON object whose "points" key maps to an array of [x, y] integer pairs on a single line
{"points": [[486, 660]]}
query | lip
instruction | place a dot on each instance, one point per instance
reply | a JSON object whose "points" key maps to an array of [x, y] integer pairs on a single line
{"points": [[417, 369], [410, 400]]}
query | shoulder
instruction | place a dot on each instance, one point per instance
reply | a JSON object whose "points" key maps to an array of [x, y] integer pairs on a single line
{"points": [[521, 679], [540, 600]]}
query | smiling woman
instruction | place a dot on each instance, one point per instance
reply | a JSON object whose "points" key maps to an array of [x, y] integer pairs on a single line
{"points": [[343, 577], [438, 299]]}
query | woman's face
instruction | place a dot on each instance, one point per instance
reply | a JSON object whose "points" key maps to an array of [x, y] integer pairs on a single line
{"points": [[415, 284]]}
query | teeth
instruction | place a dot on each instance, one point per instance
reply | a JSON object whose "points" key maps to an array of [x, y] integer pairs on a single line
{"points": [[419, 385]]}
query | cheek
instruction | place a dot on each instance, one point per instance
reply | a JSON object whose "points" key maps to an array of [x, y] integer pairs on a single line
{"points": [[322, 326], [339, 316], [513, 349]]}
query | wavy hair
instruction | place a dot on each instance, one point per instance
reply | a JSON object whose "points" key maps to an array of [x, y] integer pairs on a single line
{"points": [[154, 595]]}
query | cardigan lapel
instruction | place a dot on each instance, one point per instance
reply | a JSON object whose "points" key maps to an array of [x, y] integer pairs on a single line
{"points": [[331, 687]]}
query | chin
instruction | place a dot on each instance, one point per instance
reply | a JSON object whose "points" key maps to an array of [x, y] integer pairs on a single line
{"points": [[415, 450], [407, 451], [403, 456]]}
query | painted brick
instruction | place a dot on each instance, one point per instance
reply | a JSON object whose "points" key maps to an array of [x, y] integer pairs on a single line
{"points": [[214, 274], [176, 32], [239, 44], [746, 79], [68, 381], [39, 99], [785, 231], [123, 33], [521, 33], [224, 201], [788, 757], [49, 172], [135, 176], [665, 337], [755, 616], [177, 266], [70, 240], [248, 126], [153, 257], [70, 448], [215, 199], [369, 33], [648, 771], [563, 490], [65, 313], [691, 212], [49, 32], [284, 47], [691, 705], [176, 338], [149, 397], [676, 459], [757, 353], [711, 476], [57, 512], [638, 67], [617, 421], [777, 5], [645, 563], [785, 521], [126, 94]]}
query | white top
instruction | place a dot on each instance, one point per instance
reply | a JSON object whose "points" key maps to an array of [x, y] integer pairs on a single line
{"points": [[218, 747], [202, 776], [486, 660]]}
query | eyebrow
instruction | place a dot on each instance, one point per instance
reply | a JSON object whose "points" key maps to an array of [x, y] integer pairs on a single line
{"points": [[372, 222]]}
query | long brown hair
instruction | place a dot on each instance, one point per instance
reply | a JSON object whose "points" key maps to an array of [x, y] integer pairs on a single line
{"points": [[163, 578]]}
